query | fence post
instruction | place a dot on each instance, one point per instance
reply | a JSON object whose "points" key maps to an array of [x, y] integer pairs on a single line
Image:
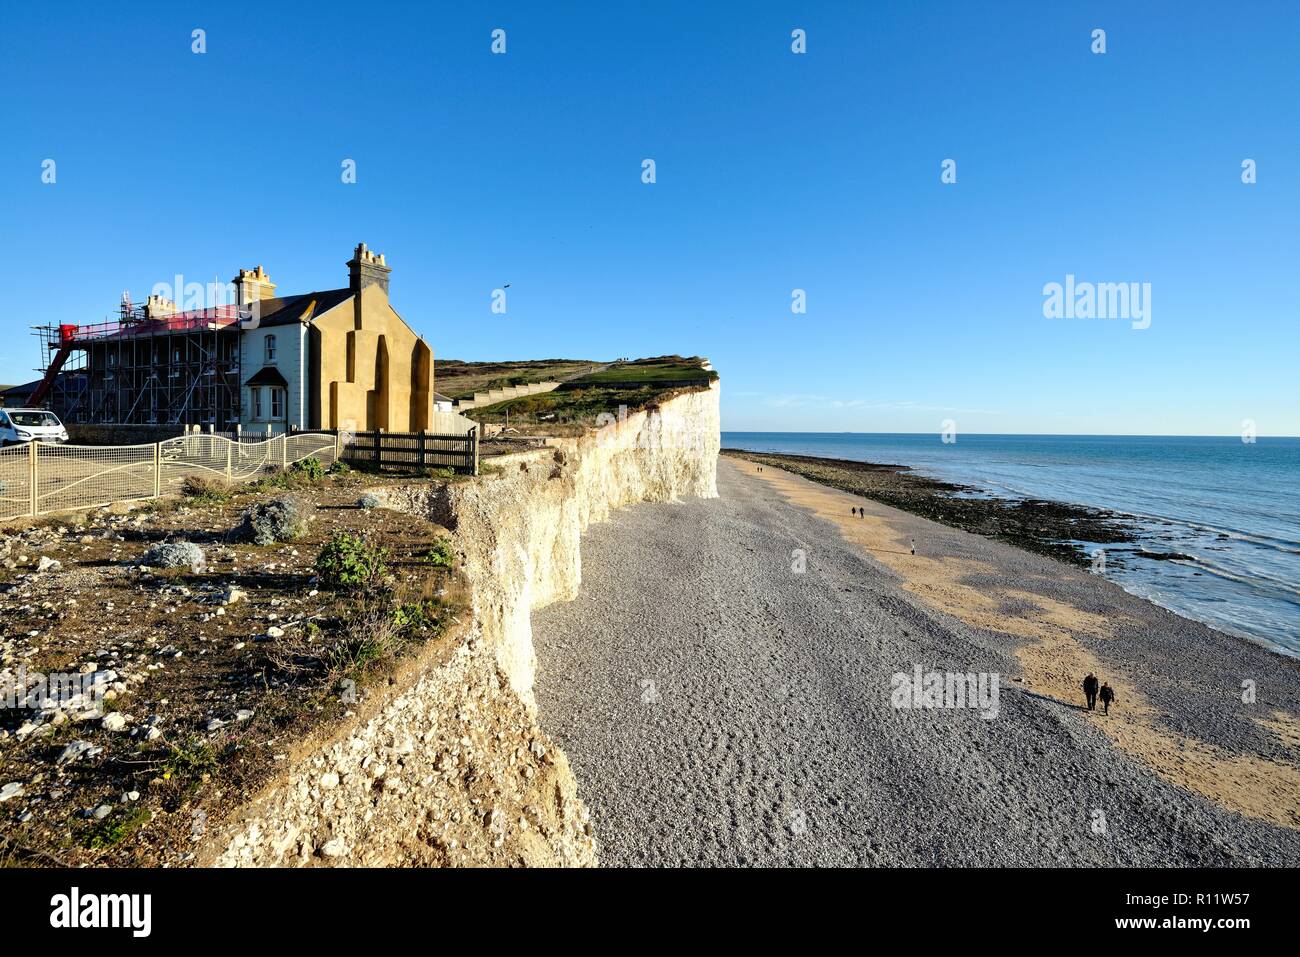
{"points": [[473, 448], [157, 469], [420, 453], [33, 474], [284, 451], [230, 448], [379, 458]]}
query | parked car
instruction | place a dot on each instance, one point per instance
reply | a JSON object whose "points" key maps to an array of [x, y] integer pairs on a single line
{"points": [[27, 425]]}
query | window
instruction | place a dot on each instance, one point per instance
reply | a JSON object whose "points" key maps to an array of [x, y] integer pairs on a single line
{"points": [[277, 403], [257, 402], [270, 348]]}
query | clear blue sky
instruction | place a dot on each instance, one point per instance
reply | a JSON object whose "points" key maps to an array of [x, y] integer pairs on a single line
{"points": [[775, 171]]}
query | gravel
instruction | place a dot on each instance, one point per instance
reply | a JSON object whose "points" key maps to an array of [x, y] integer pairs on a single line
{"points": [[719, 709]]}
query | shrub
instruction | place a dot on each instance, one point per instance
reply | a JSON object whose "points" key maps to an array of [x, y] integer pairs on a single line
{"points": [[423, 615], [349, 561], [203, 489], [340, 468], [175, 555], [440, 554], [369, 500], [281, 519], [309, 468]]}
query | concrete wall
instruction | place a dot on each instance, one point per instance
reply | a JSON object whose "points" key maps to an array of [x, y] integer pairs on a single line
{"points": [[372, 370], [493, 396]]}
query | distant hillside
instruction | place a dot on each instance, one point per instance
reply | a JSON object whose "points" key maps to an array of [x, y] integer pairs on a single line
{"points": [[459, 380], [577, 403]]}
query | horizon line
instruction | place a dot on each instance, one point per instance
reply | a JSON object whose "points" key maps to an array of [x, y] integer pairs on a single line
{"points": [[1070, 435]]}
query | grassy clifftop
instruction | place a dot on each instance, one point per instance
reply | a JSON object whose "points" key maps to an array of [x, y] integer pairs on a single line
{"points": [[577, 403]]}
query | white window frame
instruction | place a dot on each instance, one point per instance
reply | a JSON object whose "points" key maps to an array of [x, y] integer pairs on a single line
{"points": [[268, 350], [257, 401], [277, 404]]}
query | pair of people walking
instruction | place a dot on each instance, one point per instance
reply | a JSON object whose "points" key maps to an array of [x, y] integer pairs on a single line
{"points": [[1091, 692]]}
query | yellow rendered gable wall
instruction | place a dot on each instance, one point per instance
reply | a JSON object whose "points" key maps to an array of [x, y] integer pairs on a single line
{"points": [[371, 370]]}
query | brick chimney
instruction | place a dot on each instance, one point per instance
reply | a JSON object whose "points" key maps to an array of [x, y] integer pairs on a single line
{"points": [[253, 285], [367, 269], [157, 307]]}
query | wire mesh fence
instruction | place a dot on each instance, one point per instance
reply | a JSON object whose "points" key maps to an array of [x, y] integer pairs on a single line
{"points": [[38, 478]]}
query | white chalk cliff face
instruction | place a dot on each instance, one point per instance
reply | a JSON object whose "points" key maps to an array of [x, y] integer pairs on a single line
{"points": [[521, 532], [518, 534]]}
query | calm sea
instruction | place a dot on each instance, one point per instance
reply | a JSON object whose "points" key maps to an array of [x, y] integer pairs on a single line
{"points": [[1232, 507]]}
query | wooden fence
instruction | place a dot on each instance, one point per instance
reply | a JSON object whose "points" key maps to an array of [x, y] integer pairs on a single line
{"points": [[412, 450]]}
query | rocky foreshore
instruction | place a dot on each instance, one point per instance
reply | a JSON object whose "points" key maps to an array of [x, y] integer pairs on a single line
{"points": [[1056, 529]]}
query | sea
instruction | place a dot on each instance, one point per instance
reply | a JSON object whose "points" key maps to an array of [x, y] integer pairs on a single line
{"points": [[1230, 507]]}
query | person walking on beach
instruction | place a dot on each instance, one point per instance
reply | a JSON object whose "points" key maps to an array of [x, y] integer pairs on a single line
{"points": [[1107, 696], [1090, 690]]}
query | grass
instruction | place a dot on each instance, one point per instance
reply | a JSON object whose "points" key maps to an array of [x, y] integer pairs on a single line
{"points": [[579, 406], [649, 371], [201, 490], [115, 827], [460, 380], [187, 763], [579, 402]]}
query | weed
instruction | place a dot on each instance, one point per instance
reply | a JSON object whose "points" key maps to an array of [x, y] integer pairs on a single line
{"points": [[440, 555], [186, 764], [349, 561], [116, 826]]}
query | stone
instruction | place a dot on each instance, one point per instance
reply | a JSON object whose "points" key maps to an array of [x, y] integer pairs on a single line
{"points": [[77, 750]]}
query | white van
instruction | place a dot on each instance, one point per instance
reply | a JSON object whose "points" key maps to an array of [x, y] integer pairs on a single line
{"points": [[26, 425]]}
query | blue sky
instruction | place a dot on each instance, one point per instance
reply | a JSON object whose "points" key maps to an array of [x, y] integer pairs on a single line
{"points": [[775, 171]]}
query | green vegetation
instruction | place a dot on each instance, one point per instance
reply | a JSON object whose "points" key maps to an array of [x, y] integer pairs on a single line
{"points": [[460, 380], [670, 369], [116, 826], [579, 403], [201, 490], [440, 555], [349, 561], [188, 762], [310, 468], [570, 407], [423, 615]]}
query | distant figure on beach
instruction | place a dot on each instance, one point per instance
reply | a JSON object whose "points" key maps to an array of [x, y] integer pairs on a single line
{"points": [[853, 510], [1107, 696], [914, 546], [1090, 690]]}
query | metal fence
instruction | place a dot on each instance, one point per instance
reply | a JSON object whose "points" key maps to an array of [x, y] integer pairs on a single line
{"points": [[37, 478], [413, 450]]}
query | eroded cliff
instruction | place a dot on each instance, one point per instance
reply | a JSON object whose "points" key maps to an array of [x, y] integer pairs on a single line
{"points": [[451, 768]]}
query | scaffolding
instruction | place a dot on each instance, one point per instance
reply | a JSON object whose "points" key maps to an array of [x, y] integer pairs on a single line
{"points": [[180, 368]]}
